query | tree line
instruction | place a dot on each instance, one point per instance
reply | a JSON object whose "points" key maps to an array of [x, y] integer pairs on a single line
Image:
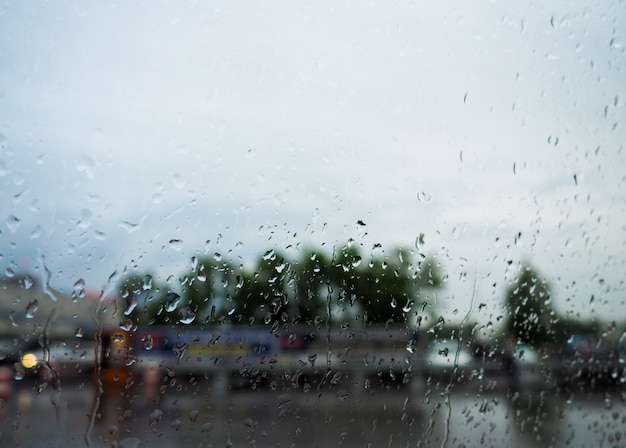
{"points": [[382, 286], [389, 287]]}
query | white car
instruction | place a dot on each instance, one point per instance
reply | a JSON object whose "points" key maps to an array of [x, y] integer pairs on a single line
{"points": [[443, 354]]}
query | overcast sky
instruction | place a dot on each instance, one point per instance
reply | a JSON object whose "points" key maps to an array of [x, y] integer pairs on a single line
{"points": [[240, 126]]}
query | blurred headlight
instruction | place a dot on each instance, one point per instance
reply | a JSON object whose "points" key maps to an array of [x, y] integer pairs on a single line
{"points": [[29, 360]]}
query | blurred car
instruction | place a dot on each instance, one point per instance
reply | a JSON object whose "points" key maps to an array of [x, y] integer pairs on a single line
{"points": [[442, 354]]}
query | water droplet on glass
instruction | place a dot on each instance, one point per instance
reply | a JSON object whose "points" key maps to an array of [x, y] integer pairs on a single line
{"points": [[394, 302], [269, 255], [18, 371], [179, 350], [239, 282], [132, 304], [155, 417], [217, 256], [193, 415], [13, 223], [148, 342], [176, 424], [127, 324], [9, 272], [187, 315], [176, 244], [27, 282], [201, 274], [79, 333], [79, 287], [194, 263], [32, 308], [280, 267], [171, 301], [35, 206], [86, 165], [12, 319], [36, 233], [336, 378], [147, 282]]}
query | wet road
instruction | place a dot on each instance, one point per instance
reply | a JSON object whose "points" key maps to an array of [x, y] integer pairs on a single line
{"points": [[192, 414]]}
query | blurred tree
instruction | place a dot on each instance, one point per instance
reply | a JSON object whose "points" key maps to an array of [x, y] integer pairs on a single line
{"points": [[143, 299], [530, 314], [312, 289], [264, 293], [311, 279], [391, 287]]}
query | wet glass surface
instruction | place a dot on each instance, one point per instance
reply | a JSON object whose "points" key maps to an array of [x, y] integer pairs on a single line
{"points": [[312, 225]]}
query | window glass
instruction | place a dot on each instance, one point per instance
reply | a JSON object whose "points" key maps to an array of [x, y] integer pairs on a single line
{"points": [[350, 224]]}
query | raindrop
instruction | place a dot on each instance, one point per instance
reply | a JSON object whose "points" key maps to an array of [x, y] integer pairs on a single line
{"points": [[86, 165], [147, 282], [312, 359], [394, 303], [269, 255], [193, 416], [35, 205], [201, 274], [18, 371], [36, 233], [176, 424], [280, 267], [79, 333], [179, 350], [13, 223], [127, 324], [9, 272], [148, 342], [12, 319], [32, 308], [132, 304], [336, 378], [356, 262], [171, 301], [187, 315], [28, 282], [155, 417], [239, 282], [409, 304], [176, 244], [217, 256], [194, 263], [79, 288]]}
